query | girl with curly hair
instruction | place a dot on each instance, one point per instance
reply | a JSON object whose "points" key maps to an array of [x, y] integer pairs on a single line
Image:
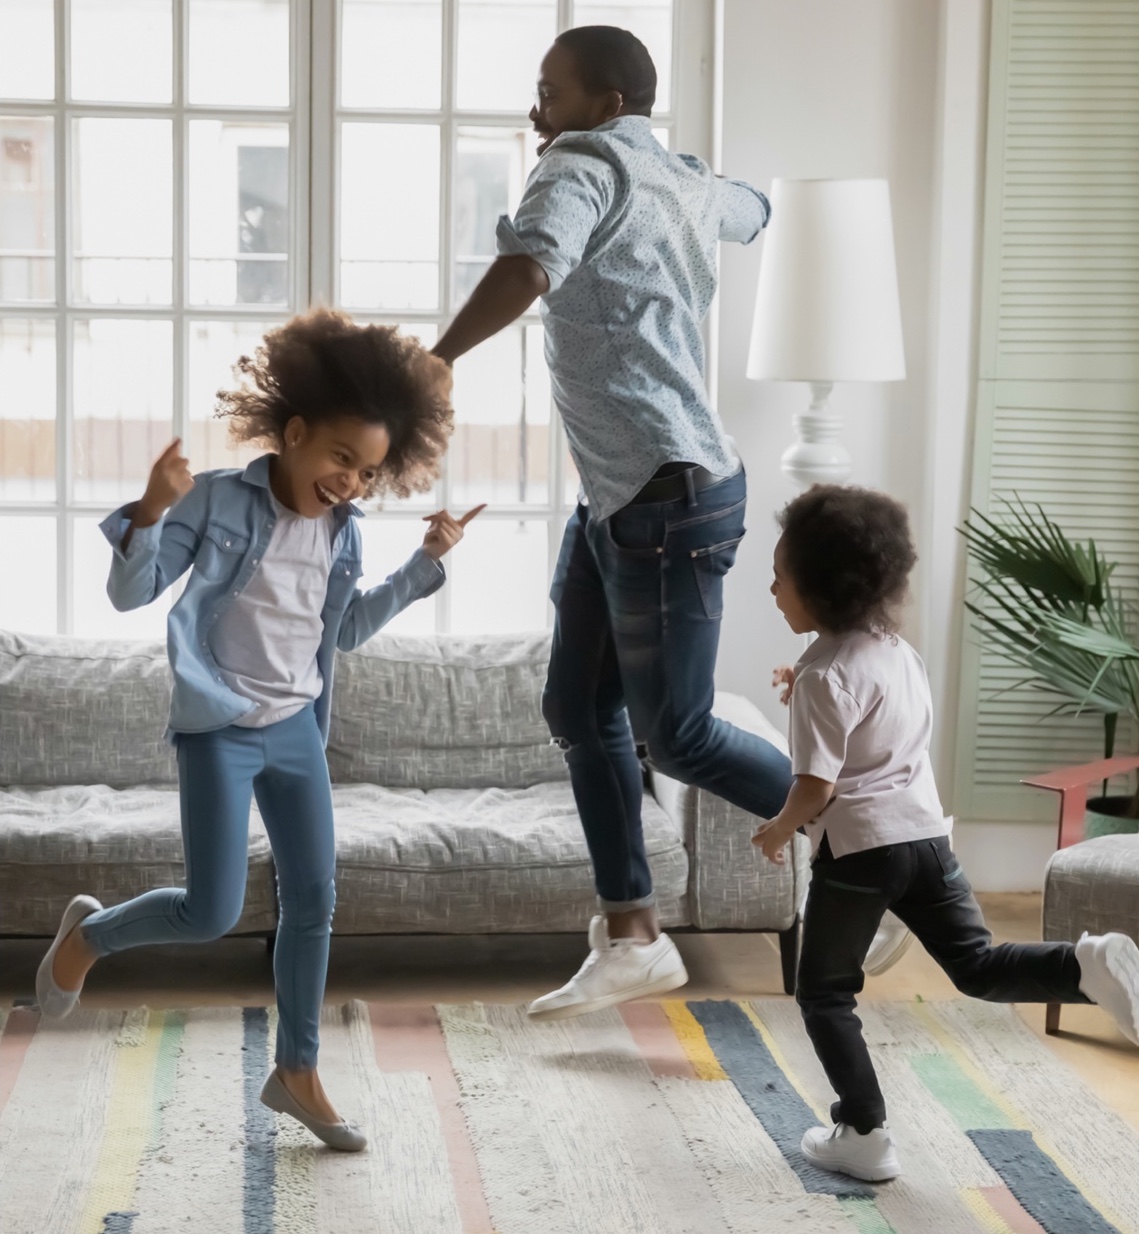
{"points": [[273, 554], [864, 792]]}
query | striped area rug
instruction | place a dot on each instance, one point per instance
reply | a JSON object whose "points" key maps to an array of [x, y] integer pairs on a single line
{"points": [[670, 1118]]}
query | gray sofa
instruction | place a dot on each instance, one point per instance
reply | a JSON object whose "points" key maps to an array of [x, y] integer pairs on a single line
{"points": [[453, 812]]}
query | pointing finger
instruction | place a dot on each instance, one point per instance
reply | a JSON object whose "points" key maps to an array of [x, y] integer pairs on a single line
{"points": [[470, 514]]}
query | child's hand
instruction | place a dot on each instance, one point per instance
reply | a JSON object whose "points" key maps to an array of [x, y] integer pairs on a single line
{"points": [[784, 676], [445, 531], [170, 481], [772, 838]]}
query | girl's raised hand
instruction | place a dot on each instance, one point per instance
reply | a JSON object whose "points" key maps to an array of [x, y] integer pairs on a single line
{"points": [[445, 531], [784, 676], [170, 481]]}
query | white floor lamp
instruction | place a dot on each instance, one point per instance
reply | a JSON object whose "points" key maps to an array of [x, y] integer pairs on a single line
{"points": [[826, 309]]}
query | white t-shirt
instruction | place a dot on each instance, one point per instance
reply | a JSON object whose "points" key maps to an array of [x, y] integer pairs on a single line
{"points": [[265, 642], [861, 717]]}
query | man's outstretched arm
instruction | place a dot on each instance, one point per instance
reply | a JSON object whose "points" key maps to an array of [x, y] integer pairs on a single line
{"points": [[503, 294]]}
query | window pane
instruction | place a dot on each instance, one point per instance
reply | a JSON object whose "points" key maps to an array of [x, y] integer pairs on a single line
{"points": [[121, 51], [390, 53], [27, 53], [239, 213], [123, 415], [239, 52], [389, 216], [27, 411], [490, 173], [123, 218], [501, 45], [27, 563], [501, 447], [387, 543], [498, 577], [215, 347], [650, 21], [93, 614], [27, 208], [573, 481]]}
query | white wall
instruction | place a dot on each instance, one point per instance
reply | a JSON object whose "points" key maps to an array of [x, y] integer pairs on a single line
{"points": [[892, 88]]}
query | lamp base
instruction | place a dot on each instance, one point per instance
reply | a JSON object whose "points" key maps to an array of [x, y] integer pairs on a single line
{"points": [[817, 456]]}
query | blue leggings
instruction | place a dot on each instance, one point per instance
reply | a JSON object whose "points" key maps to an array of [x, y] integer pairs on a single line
{"points": [[284, 766]]}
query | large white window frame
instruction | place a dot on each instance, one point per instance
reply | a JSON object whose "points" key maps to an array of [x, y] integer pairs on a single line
{"points": [[314, 172]]}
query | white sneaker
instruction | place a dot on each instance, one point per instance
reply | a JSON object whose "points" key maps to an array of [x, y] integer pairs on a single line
{"points": [[1109, 975], [842, 1150], [615, 971], [890, 943]]}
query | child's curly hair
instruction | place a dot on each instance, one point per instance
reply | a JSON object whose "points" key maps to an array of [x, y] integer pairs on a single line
{"points": [[322, 366], [848, 551]]}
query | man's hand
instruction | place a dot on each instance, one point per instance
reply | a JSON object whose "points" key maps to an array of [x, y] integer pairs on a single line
{"points": [[170, 481], [772, 838], [445, 531], [784, 676]]}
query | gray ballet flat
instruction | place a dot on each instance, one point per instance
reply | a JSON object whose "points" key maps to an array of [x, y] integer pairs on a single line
{"points": [[344, 1137], [54, 1002]]}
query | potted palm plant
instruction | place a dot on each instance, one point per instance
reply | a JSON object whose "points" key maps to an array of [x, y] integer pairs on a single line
{"points": [[1047, 605]]}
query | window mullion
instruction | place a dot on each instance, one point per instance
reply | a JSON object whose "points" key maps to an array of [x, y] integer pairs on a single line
{"points": [[318, 159], [180, 219], [565, 14]]}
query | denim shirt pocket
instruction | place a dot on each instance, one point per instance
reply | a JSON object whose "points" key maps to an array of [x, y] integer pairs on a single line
{"points": [[220, 553], [346, 572]]}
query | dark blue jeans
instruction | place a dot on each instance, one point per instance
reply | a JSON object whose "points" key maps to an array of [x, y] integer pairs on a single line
{"points": [[638, 599]]}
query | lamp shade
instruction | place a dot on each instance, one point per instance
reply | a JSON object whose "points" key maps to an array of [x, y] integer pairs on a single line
{"points": [[827, 304]]}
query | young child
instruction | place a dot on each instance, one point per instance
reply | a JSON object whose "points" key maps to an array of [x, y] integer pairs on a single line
{"points": [[864, 791], [274, 555]]}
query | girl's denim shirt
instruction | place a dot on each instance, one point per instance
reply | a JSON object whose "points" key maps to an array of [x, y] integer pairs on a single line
{"points": [[219, 532]]}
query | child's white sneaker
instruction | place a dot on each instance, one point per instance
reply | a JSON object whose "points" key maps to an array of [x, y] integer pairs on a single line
{"points": [[891, 942], [840, 1149], [615, 971], [1109, 976]]}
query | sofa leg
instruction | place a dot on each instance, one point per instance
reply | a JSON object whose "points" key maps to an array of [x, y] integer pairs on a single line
{"points": [[1052, 1019], [789, 954]]}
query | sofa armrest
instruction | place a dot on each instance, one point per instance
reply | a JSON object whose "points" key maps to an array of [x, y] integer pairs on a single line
{"points": [[731, 885]]}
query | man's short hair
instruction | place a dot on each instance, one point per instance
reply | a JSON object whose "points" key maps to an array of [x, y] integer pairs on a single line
{"points": [[609, 58]]}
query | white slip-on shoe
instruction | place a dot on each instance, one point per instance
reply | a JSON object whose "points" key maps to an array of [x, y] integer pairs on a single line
{"points": [[615, 971], [890, 943], [840, 1149], [54, 1002], [344, 1137], [1109, 976]]}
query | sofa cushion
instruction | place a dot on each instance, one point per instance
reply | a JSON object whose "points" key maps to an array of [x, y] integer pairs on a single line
{"points": [[480, 861], [83, 711], [443, 712], [112, 844]]}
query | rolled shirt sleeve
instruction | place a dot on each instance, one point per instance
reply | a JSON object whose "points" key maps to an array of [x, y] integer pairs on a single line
{"points": [[744, 211], [823, 715], [566, 197]]}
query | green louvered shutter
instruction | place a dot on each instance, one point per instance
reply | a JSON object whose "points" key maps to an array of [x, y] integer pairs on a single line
{"points": [[1058, 398]]}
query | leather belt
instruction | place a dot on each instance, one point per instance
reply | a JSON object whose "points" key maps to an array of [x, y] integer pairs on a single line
{"points": [[674, 484]]}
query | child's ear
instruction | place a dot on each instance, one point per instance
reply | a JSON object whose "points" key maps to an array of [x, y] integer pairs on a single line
{"points": [[294, 433]]}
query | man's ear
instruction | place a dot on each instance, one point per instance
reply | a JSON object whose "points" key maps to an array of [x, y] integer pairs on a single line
{"points": [[614, 104]]}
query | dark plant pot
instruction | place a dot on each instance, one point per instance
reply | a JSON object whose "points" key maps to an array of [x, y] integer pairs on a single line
{"points": [[1107, 816]]}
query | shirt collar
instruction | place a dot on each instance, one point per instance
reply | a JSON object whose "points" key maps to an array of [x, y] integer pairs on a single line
{"points": [[822, 644], [257, 474]]}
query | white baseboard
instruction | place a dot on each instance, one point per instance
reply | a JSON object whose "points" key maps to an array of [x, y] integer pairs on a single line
{"points": [[1004, 856]]}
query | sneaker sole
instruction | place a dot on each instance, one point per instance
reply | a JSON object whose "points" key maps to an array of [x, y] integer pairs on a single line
{"points": [[661, 986], [881, 1175], [1122, 963], [891, 957]]}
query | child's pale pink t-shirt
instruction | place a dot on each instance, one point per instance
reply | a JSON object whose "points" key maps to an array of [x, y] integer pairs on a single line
{"points": [[861, 717]]}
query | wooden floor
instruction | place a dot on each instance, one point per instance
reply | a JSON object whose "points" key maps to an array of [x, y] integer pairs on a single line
{"points": [[505, 968]]}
